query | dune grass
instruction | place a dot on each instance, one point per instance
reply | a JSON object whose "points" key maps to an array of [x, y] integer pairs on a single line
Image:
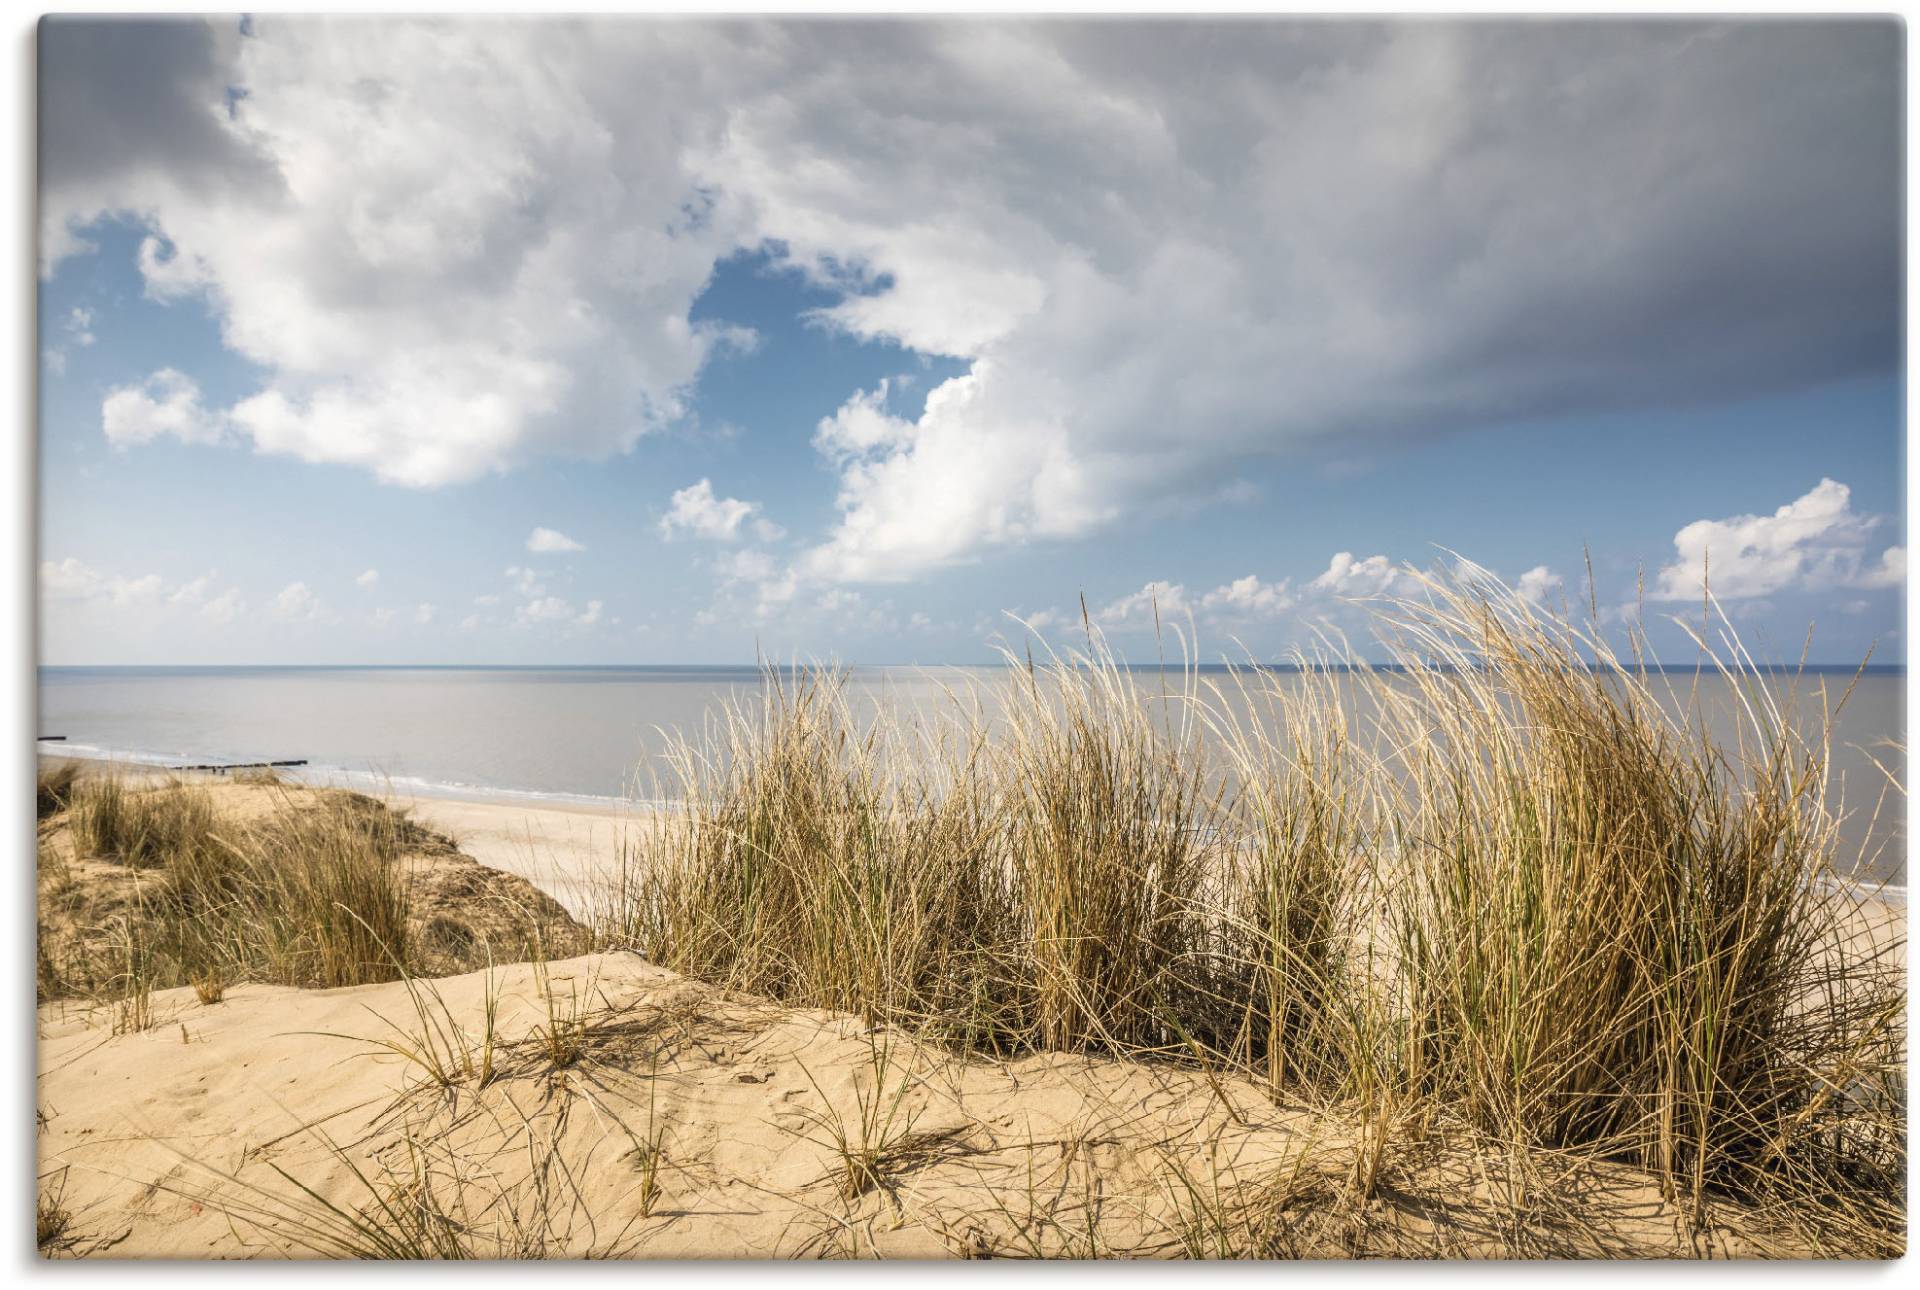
{"points": [[308, 895], [53, 788], [1511, 885]]}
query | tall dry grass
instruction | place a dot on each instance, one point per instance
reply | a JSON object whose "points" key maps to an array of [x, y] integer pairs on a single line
{"points": [[309, 895], [1510, 884]]}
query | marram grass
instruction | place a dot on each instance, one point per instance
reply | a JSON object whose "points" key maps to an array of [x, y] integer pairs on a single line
{"points": [[1511, 885]]}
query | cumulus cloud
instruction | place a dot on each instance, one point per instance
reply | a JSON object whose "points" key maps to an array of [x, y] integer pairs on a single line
{"points": [[1252, 598], [72, 581], [225, 607], [1163, 600], [423, 614], [544, 609], [1540, 585], [1237, 277], [296, 602], [696, 512], [1161, 251], [749, 564], [427, 320], [1353, 579], [548, 541], [1248, 597], [368, 580], [553, 610], [1816, 541], [537, 606], [167, 403]]}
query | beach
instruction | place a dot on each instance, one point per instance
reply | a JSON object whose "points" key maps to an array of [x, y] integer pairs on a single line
{"points": [[599, 1105], [1027, 984], [569, 852]]}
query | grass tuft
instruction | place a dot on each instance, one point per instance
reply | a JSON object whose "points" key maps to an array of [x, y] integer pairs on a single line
{"points": [[1512, 882]]}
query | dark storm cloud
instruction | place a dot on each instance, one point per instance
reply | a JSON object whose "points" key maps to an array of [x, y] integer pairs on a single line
{"points": [[129, 111]]}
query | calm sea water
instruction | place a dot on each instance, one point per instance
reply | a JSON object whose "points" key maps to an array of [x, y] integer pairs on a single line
{"points": [[597, 732]]}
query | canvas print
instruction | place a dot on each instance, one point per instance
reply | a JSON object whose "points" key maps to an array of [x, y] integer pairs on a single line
{"points": [[941, 638]]}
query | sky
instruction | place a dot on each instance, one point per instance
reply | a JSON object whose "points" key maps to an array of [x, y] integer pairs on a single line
{"points": [[626, 341]]}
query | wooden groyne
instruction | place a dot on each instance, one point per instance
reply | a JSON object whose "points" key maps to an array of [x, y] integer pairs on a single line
{"points": [[221, 768]]}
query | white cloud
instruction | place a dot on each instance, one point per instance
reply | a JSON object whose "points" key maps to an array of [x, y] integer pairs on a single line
{"points": [[423, 614], [79, 325], [544, 609], [148, 596], [368, 580], [537, 607], [1354, 579], [1166, 599], [1234, 274], [427, 321], [192, 592], [1540, 585], [749, 564], [695, 511], [1042, 621], [1813, 542], [225, 607], [69, 579], [1161, 252], [295, 602], [1248, 597], [550, 540], [556, 610], [168, 403], [382, 616]]}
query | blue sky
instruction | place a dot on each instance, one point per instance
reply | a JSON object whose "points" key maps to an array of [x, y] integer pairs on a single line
{"points": [[849, 344]]}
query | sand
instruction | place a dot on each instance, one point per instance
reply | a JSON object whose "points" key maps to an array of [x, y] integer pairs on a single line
{"points": [[196, 1137], [568, 852], [613, 1108]]}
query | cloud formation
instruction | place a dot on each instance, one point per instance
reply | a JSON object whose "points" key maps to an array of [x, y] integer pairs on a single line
{"points": [[1816, 542], [547, 541], [1354, 579], [166, 404], [479, 246], [1162, 251], [1540, 585], [296, 602], [695, 512]]}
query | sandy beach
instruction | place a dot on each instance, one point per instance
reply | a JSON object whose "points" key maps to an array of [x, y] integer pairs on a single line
{"points": [[600, 1105], [568, 852]]}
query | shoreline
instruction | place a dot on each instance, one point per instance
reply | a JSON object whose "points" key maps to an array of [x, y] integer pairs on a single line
{"points": [[570, 853], [570, 847], [567, 846]]}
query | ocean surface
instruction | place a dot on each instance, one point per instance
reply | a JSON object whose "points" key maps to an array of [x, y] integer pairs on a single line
{"points": [[596, 734]]}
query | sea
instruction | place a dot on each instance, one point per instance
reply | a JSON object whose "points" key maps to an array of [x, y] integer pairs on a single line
{"points": [[597, 735]]}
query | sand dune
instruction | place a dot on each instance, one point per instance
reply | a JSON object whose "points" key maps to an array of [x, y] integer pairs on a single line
{"points": [[603, 1106], [196, 1138]]}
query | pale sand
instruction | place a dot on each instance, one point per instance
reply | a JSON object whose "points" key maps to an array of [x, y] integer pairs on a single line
{"points": [[192, 1139], [570, 852]]}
